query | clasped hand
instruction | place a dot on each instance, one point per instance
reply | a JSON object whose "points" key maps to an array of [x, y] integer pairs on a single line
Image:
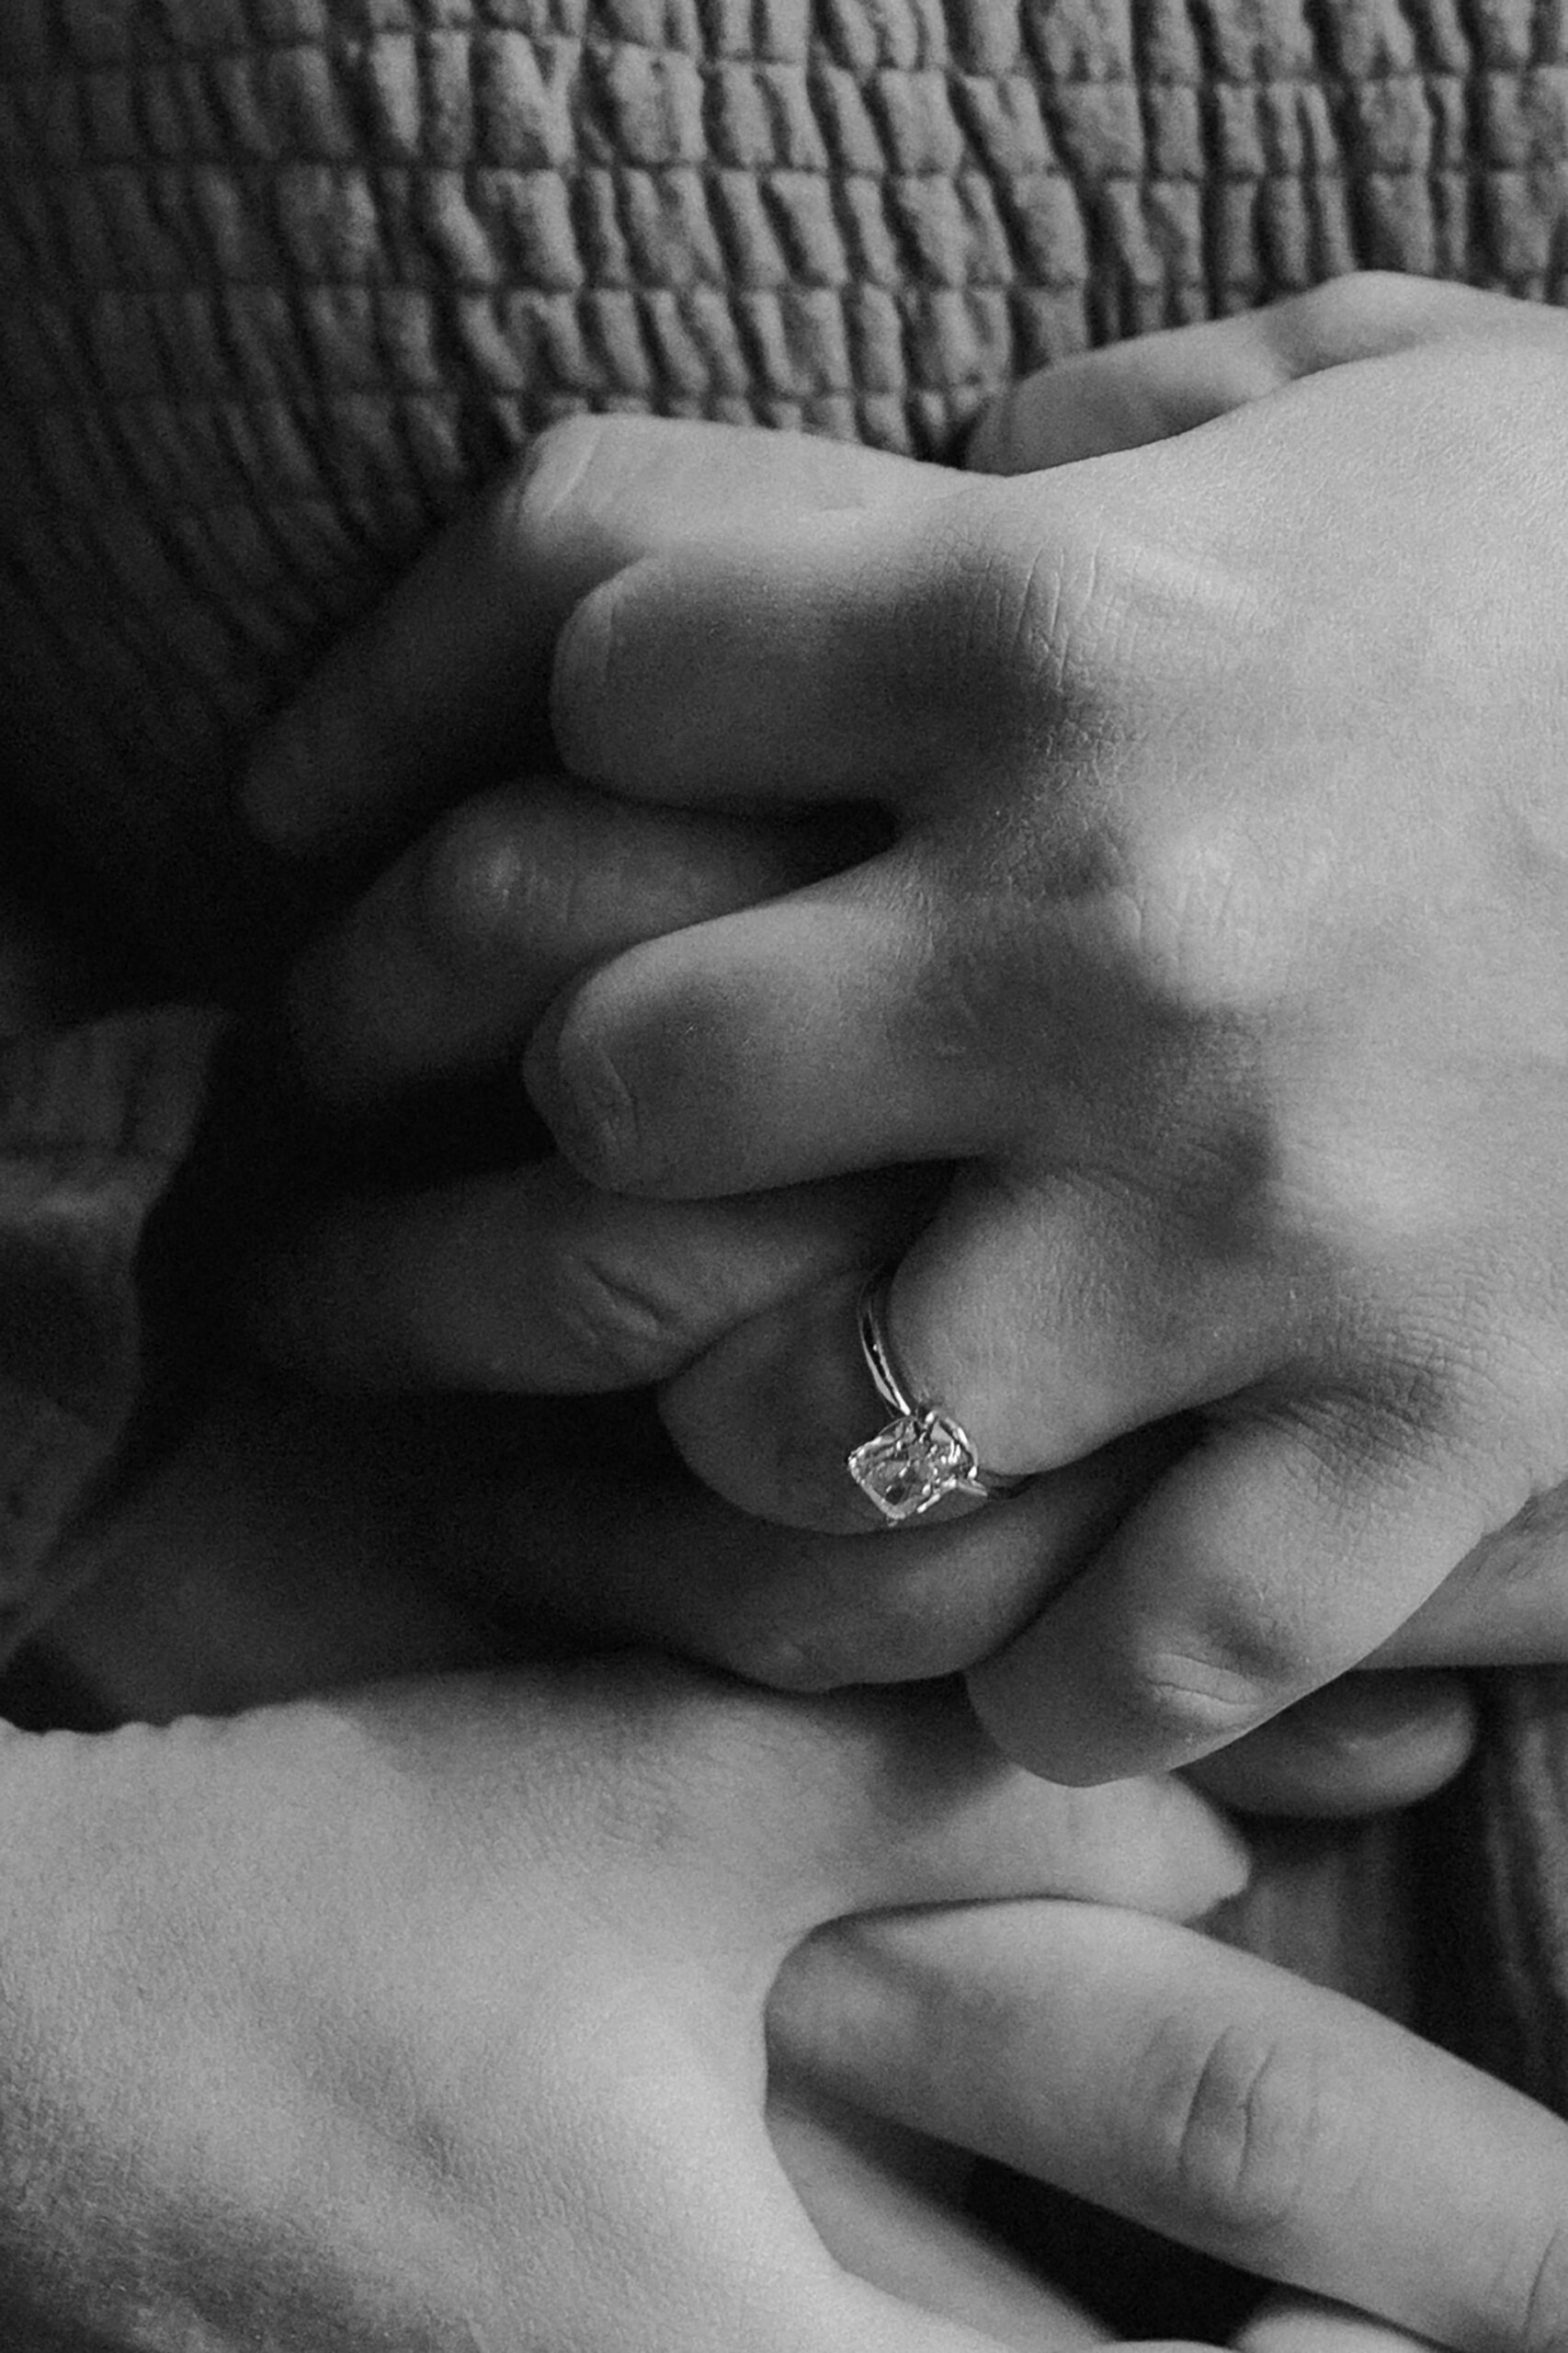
{"points": [[1212, 932]]}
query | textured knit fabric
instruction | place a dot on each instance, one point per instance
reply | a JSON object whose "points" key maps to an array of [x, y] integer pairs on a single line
{"points": [[281, 280], [93, 1124]]}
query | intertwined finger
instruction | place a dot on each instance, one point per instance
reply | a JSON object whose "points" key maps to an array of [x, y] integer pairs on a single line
{"points": [[575, 1521], [1277, 1554], [842, 656], [531, 1280], [936, 663], [1210, 2096], [1156, 385], [1368, 1745], [865, 1801], [794, 1017], [444, 686], [446, 963], [1047, 1321], [443, 689]]}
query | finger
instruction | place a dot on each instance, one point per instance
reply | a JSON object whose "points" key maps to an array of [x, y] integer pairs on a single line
{"points": [[531, 1280], [1130, 393], [448, 960], [867, 1800], [797, 1017], [844, 657], [1313, 2324], [869, 2189], [1156, 385], [549, 1546], [1207, 2095], [1366, 1743], [1507, 1603], [768, 1418], [1045, 1321], [442, 688], [1332, 1903], [1274, 1557]]}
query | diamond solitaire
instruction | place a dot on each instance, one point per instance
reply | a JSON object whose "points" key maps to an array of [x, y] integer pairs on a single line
{"points": [[912, 1463], [922, 1456]]}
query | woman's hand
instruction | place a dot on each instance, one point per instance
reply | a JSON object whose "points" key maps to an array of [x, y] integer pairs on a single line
{"points": [[370, 2021], [376, 2020]]}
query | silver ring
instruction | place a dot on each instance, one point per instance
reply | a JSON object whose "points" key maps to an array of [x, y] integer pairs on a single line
{"points": [[922, 1456]]}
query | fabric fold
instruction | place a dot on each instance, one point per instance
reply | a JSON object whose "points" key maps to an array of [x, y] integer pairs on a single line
{"points": [[94, 1123]]}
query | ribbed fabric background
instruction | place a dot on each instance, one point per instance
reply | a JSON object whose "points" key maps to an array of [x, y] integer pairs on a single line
{"points": [[282, 278]]}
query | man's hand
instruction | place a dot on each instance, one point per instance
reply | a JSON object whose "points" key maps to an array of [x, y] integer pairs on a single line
{"points": [[1222, 943], [1261, 1539]]}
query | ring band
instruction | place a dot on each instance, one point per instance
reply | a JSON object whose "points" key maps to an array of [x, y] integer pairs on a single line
{"points": [[922, 1456]]}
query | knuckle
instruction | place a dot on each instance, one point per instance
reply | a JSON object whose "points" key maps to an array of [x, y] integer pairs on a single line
{"points": [[1404, 1417], [1367, 313], [1195, 926], [1040, 625], [1187, 1704], [1012, 602], [1351, 313], [1239, 2125], [618, 1323]]}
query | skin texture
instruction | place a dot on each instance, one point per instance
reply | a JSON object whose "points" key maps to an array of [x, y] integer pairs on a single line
{"points": [[568, 1899], [443, 2012], [1221, 944], [1226, 1256]]}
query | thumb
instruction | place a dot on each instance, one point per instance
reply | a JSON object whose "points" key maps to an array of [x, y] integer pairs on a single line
{"points": [[1157, 385]]}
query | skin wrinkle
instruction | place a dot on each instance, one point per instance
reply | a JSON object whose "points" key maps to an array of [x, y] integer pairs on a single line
{"points": [[1247, 2126]]}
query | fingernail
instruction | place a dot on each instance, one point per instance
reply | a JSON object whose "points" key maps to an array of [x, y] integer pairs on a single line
{"points": [[580, 1097], [1361, 1711]]}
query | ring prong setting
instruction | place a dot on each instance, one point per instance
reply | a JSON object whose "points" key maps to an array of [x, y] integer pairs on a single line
{"points": [[912, 1464]]}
